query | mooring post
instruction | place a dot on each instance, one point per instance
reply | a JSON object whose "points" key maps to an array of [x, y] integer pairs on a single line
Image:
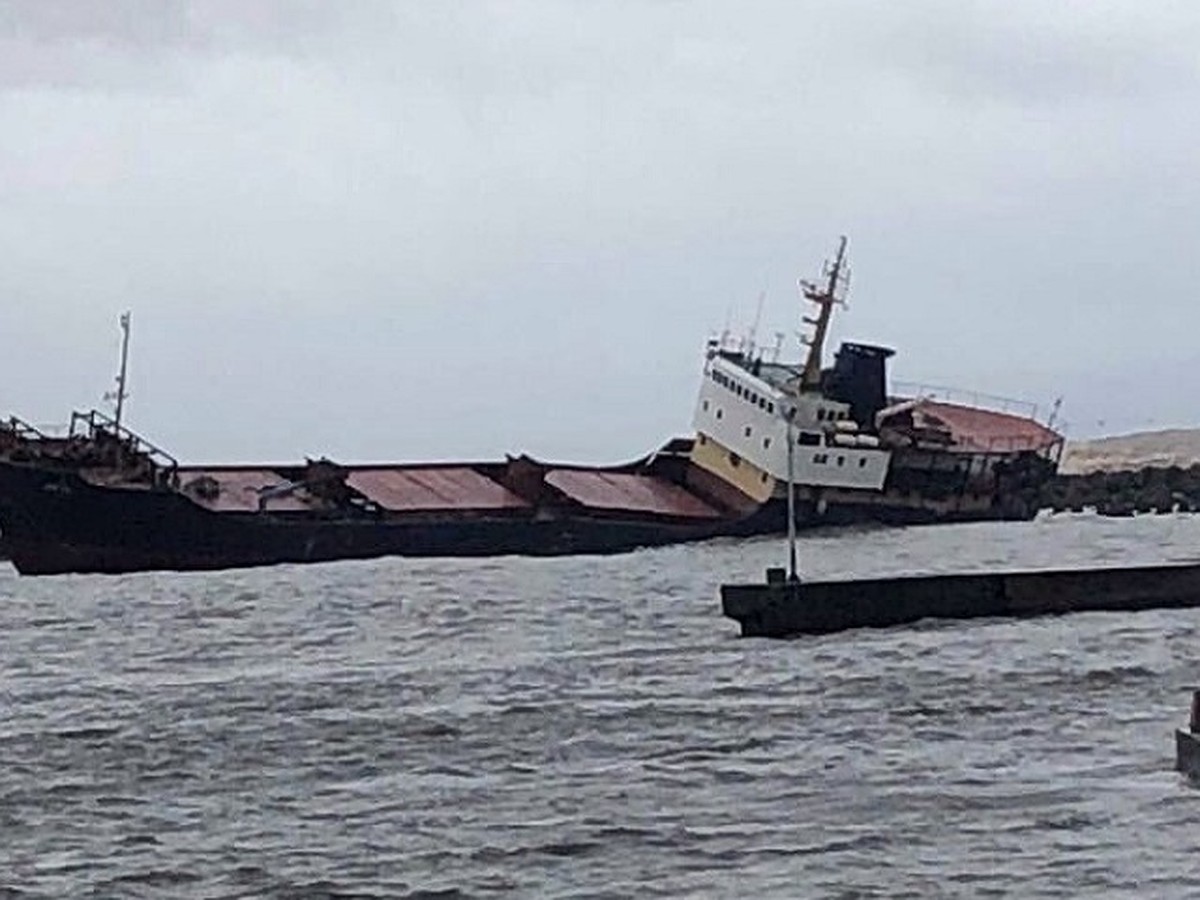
{"points": [[1194, 724]]}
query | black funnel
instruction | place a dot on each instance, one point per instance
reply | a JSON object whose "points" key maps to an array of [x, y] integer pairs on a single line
{"points": [[859, 377]]}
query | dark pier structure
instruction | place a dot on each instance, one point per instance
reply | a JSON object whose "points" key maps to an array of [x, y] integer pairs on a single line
{"points": [[783, 607], [1187, 743]]}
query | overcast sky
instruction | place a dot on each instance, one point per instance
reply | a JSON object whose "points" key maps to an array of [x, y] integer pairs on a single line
{"points": [[417, 230]]}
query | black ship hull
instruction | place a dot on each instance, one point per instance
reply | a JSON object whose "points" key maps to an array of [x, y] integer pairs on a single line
{"points": [[57, 522]]}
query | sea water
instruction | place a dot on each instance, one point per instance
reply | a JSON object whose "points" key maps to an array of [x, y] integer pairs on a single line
{"points": [[592, 727]]}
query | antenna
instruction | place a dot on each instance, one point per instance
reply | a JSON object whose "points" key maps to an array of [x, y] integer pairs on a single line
{"points": [[825, 296], [762, 296], [122, 392], [725, 330], [1054, 412]]}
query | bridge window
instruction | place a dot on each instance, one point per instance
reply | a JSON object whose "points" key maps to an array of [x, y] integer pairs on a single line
{"points": [[862, 463], [766, 443], [809, 439], [841, 460], [706, 406], [748, 430], [718, 413]]}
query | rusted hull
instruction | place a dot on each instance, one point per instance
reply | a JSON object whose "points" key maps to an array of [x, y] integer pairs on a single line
{"points": [[57, 522]]}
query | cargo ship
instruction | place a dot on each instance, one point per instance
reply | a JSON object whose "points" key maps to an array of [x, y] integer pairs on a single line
{"points": [[103, 499]]}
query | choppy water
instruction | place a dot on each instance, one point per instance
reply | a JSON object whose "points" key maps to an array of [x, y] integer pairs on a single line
{"points": [[592, 727]]}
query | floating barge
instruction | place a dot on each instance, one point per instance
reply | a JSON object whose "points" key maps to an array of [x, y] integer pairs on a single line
{"points": [[785, 608]]}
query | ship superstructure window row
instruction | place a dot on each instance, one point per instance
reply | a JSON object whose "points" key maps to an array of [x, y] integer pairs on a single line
{"points": [[742, 391], [831, 415], [753, 397]]}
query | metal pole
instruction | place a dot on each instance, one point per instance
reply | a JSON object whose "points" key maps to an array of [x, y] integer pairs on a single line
{"points": [[791, 498], [124, 368]]}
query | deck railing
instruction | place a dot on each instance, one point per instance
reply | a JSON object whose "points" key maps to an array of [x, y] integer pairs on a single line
{"points": [[21, 429], [94, 423], [917, 391]]}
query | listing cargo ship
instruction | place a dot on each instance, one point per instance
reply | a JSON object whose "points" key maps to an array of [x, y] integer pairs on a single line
{"points": [[103, 499]]}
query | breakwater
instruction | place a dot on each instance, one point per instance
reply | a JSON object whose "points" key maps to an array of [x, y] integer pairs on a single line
{"points": [[1123, 493], [781, 608]]}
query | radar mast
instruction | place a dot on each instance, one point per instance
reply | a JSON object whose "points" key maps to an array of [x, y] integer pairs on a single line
{"points": [[825, 296]]}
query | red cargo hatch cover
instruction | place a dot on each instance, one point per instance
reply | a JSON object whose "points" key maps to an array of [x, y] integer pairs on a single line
{"points": [[420, 489], [983, 429], [238, 490], [631, 493]]}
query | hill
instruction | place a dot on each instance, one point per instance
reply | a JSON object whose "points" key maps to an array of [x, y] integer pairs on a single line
{"points": [[1160, 449]]}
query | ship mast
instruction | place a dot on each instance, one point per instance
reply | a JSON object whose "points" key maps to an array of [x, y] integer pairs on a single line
{"points": [[825, 296], [122, 377]]}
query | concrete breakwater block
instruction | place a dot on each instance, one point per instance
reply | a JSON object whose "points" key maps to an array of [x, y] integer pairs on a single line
{"points": [[1125, 492]]}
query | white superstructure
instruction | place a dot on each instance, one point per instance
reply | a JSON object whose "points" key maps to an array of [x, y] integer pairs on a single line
{"points": [[745, 403], [744, 414]]}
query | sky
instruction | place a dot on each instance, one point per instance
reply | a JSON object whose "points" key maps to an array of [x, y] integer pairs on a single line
{"points": [[454, 230]]}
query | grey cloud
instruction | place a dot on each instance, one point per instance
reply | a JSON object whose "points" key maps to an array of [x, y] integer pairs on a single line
{"points": [[448, 228], [127, 44], [1038, 53]]}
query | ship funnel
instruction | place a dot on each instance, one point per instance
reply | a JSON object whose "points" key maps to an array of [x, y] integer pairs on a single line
{"points": [[859, 377]]}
